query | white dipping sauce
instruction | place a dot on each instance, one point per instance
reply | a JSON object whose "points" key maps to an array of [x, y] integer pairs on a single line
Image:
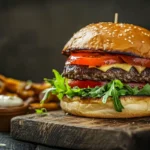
{"points": [[10, 101]]}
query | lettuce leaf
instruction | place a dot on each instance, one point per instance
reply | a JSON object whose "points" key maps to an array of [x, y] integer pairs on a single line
{"points": [[113, 89]]}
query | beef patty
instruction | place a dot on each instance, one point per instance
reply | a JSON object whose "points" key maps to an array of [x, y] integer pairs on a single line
{"points": [[78, 72]]}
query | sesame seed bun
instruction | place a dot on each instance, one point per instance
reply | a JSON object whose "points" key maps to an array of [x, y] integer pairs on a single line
{"points": [[134, 106], [111, 37]]}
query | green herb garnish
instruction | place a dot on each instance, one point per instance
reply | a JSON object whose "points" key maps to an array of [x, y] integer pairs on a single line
{"points": [[113, 89], [41, 111]]}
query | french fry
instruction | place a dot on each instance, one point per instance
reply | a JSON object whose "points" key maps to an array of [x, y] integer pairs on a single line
{"points": [[22, 89], [48, 106], [2, 78], [37, 87], [25, 94], [2, 87], [12, 84], [10, 94]]}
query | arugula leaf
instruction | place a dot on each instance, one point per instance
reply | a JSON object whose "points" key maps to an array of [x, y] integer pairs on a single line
{"points": [[118, 84], [145, 90], [131, 91], [71, 91], [116, 100], [97, 92], [108, 93], [114, 92], [59, 82], [117, 103], [51, 81], [122, 92]]}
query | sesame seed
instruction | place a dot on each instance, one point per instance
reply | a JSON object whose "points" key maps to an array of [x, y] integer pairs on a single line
{"points": [[104, 27], [121, 24]]}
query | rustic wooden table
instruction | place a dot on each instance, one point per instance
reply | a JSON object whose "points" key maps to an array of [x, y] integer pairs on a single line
{"points": [[72, 132], [11, 144]]}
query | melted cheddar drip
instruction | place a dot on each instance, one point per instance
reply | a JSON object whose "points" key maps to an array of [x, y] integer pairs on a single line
{"points": [[139, 68], [125, 67]]}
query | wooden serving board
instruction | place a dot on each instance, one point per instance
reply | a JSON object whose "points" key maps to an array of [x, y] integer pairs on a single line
{"points": [[60, 130]]}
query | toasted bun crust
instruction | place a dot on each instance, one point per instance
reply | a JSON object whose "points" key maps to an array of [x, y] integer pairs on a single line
{"points": [[134, 106], [111, 37]]}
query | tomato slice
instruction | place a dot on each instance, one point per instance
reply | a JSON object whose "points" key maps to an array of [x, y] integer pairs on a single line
{"points": [[92, 84], [93, 59], [99, 59], [136, 61], [86, 83]]}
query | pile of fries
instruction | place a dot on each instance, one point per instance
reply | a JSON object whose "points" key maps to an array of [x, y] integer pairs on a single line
{"points": [[26, 90]]}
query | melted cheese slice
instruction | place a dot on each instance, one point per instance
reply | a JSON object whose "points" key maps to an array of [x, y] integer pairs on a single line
{"points": [[125, 67], [139, 68]]}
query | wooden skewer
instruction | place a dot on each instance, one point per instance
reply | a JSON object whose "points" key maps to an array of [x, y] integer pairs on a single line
{"points": [[116, 18]]}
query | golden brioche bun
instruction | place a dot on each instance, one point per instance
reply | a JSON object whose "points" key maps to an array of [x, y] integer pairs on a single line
{"points": [[134, 106], [111, 37]]}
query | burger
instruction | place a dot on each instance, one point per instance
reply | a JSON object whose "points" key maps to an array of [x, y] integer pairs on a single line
{"points": [[107, 72]]}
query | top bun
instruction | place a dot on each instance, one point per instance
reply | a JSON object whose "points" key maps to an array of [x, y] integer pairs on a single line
{"points": [[111, 37]]}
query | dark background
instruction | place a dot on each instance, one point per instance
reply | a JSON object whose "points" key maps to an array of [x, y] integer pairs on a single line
{"points": [[33, 32]]}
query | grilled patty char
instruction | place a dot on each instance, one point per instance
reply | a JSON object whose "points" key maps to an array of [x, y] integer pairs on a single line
{"points": [[79, 72]]}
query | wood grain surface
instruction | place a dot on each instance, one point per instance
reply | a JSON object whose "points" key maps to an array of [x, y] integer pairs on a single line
{"points": [[7, 143], [61, 130]]}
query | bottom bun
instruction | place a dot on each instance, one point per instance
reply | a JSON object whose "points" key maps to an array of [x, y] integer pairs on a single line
{"points": [[134, 106]]}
